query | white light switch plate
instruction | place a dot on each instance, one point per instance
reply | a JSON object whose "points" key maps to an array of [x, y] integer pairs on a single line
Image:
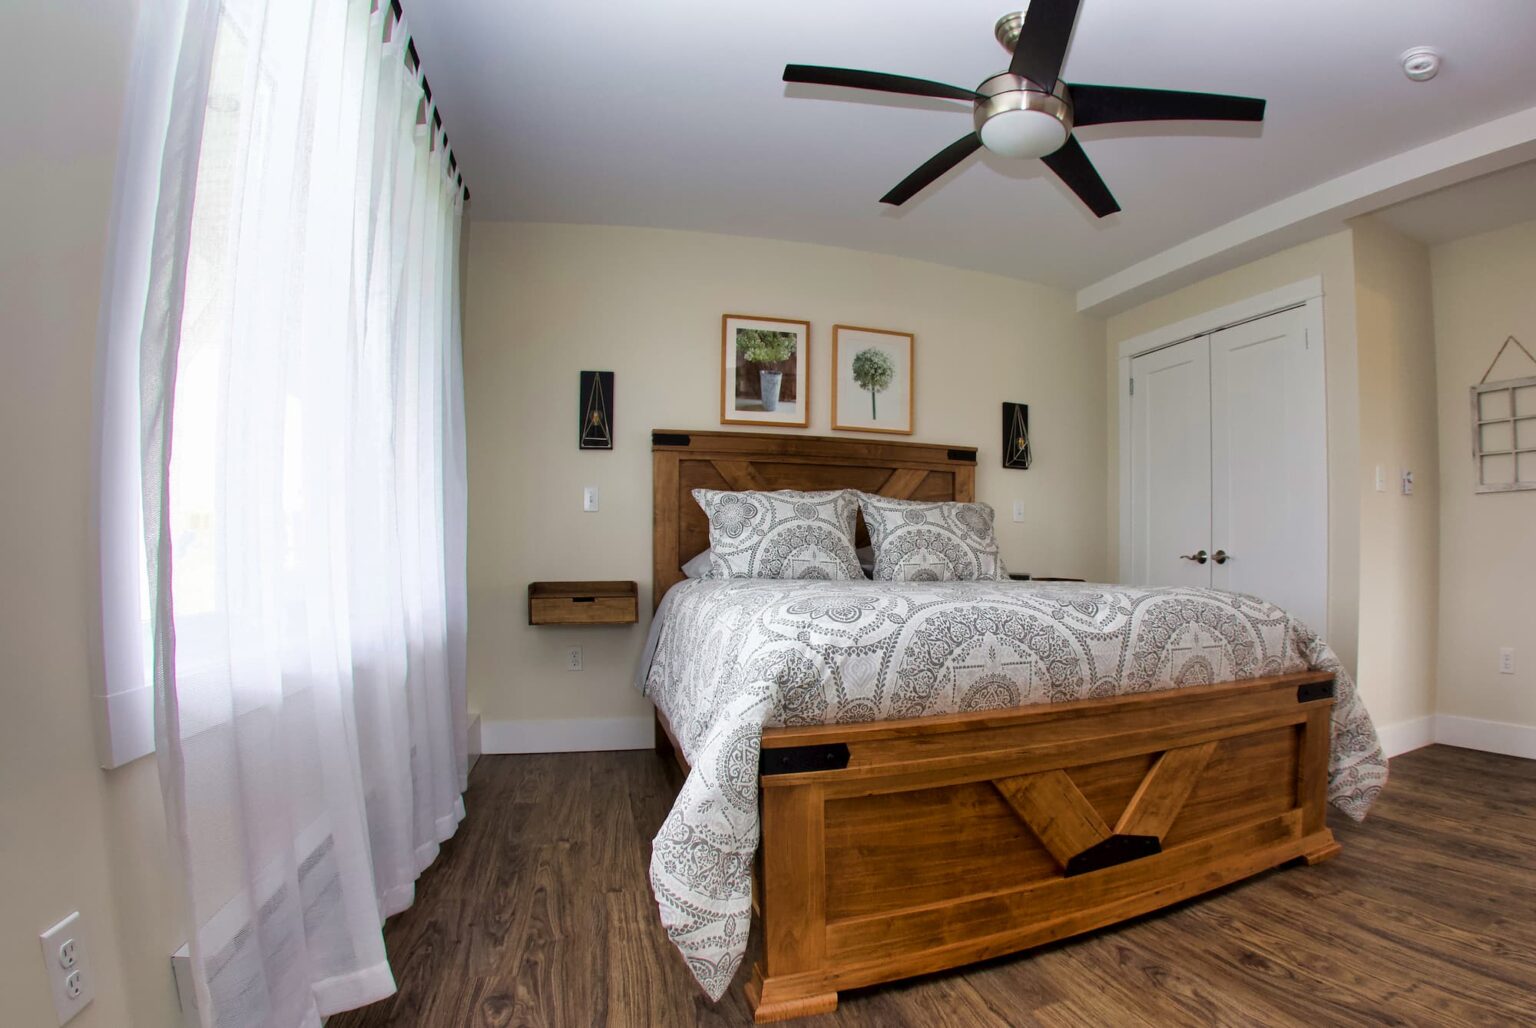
{"points": [[589, 499], [69, 967], [1407, 482], [1018, 510]]}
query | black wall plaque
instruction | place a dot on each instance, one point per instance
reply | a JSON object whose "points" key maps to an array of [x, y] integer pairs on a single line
{"points": [[596, 410], [1016, 452]]}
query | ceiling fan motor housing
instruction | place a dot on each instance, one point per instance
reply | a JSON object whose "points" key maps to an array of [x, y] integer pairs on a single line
{"points": [[1016, 118]]}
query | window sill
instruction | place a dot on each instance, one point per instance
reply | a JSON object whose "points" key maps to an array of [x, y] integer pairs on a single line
{"points": [[125, 725]]}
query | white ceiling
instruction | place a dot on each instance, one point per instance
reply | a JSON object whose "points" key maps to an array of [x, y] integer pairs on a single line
{"points": [[1467, 208], [673, 114]]}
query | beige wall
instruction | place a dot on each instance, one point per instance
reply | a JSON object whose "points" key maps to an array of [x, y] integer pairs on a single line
{"points": [[546, 301], [1484, 291], [71, 836], [1400, 535], [1331, 258]]}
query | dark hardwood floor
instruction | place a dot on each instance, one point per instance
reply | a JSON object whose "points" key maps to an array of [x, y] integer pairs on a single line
{"points": [[538, 913]]}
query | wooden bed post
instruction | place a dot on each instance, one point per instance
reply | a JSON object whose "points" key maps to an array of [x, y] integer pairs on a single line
{"points": [[794, 881]]}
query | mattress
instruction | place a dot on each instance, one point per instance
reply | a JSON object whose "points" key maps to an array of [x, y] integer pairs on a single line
{"points": [[728, 658]]}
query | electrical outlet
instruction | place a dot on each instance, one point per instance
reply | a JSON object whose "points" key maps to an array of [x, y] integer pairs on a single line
{"points": [[1407, 482], [573, 659], [69, 972], [589, 499], [1507, 660]]}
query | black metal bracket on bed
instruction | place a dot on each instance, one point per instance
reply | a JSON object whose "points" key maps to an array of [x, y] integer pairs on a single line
{"points": [[793, 760], [671, 439], [1314, 691], [1117, 849]]}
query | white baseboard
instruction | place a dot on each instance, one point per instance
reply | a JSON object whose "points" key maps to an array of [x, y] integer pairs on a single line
{"points": [[576, 735], [1489, 736], [1405, 736], [475, 746], [1467, 732]]}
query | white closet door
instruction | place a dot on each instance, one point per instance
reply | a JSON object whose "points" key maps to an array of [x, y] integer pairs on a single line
{"points": [[1171, 465], [1269, 464]]}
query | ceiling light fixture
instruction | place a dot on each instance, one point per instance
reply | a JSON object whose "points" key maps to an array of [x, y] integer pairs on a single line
{"points": [[1421, 63], [1018, 119], [1029, 112]]}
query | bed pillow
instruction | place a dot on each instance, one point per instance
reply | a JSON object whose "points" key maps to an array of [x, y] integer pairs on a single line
{"points": [[782, 534], [698, 566], [917, 541], [701, 564]]}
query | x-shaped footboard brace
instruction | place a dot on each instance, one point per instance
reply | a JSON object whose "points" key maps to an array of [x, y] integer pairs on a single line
{"points": [[1069, 827]]}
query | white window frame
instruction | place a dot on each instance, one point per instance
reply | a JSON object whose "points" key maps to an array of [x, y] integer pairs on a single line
{"points": [[122, 693]]}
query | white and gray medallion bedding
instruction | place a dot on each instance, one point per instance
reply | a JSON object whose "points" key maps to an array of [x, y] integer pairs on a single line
{"points": [[732, 657], [782, 534], [917, 541]]}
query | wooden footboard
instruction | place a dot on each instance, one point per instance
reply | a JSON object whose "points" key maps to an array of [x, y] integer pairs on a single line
{"points": [[903, 847]]}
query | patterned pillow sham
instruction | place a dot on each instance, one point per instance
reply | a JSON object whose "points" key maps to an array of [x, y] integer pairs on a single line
{"points": [[783, 534], [917, 541]]}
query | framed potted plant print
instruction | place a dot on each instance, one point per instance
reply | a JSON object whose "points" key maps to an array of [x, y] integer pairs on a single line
{"points": [[764, 371], [871, 380]]}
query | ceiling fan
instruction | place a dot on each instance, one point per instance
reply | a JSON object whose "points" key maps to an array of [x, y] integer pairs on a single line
{"points": [[1028, 111]]}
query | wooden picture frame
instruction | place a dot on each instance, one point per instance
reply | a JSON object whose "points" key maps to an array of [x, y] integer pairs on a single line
{"points": [[1504, 435], [888, 375], [756, 390]]}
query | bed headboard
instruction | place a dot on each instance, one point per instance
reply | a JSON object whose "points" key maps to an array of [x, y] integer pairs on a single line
{"points": [[683, 460]]}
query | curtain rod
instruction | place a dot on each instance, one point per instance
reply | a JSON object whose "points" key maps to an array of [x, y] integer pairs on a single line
{"points": [[414, 60]]}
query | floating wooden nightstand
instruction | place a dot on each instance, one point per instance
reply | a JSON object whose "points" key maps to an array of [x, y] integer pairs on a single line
{"points": [[583, 603]]}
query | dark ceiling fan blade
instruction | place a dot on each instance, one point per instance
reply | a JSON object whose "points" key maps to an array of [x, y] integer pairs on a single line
{"points": [[1042, 44], [1073, 167], [878, 80], [932, 168], [1102, 105]]}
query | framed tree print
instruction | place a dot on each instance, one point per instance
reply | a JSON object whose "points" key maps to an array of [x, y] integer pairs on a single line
{"points": [[764, 371], [871, 380]]}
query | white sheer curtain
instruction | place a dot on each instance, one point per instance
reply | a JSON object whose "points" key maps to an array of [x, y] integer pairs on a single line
{"points": [[282, 315]]}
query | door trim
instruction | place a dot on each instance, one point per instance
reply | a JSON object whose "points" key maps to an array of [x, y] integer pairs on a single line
{"points": [[1307, 292], [1272, 302]]}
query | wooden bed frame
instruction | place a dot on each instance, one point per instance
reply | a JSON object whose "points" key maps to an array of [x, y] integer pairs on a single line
{"points": [[898, 848]]}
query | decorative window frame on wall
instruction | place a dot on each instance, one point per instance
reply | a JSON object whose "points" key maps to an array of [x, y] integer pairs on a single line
{"points": [[1510, 402]]}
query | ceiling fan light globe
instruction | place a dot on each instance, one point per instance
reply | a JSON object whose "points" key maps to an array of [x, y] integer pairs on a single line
{"points": [[1023, 133]]}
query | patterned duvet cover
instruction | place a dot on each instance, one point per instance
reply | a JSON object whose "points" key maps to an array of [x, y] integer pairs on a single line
{"points": [[732, 657]]}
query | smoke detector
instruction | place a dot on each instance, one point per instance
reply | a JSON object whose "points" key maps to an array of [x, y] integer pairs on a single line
{"points": [[1421, 63]]}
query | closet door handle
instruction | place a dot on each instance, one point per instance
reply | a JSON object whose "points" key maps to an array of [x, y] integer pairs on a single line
{"points": [[1198, 556], [1221, 556]]}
